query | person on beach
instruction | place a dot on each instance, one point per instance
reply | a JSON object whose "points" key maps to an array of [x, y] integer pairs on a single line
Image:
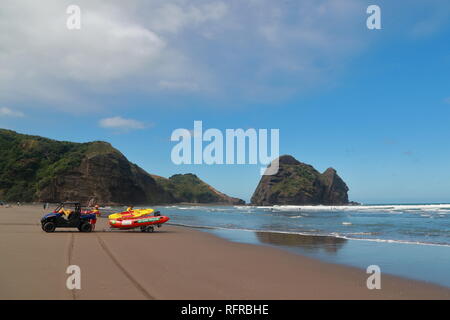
{"points": [[91, 202], [96, 209]]}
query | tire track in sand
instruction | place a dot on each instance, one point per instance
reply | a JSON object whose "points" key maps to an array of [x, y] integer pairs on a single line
{"points": [[138, 286], [69, 260], [18, 224]]}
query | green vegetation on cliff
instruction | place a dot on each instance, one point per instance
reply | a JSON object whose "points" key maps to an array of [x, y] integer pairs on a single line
{"points": [[298, 183], [303, 182], [34, 168], [29, 163], [190, 189]]}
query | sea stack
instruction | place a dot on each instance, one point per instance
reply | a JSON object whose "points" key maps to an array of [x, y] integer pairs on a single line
{"points": [[297, 183]]}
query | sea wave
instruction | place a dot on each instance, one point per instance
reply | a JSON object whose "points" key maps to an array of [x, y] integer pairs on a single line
{"points": [[347, 236], [441, 208]]}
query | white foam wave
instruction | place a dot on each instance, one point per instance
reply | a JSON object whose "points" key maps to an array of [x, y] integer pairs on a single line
{"points": [[398, 241], [333, 234], [443, 208]]}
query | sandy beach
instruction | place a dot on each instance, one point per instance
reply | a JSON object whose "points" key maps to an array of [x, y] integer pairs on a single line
{"points": [[172, 263]]}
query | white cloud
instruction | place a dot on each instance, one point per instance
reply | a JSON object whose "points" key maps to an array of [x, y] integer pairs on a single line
{"points": [[7, 112], [174, 16], [180, 85], [122, 124], [232, 48]]}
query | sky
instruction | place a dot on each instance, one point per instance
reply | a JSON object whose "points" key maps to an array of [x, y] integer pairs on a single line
{"points": [[373, 104]]}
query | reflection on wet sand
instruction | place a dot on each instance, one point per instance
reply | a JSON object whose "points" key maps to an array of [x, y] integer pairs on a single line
{"points": [[308, 243]]}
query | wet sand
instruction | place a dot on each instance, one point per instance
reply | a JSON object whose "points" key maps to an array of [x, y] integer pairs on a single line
{"points": [[172, 263]]}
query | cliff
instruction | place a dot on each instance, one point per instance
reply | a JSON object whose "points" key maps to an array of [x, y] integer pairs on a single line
{"points": [[107, 176], [297, 183], [34, 168], [189, 188]]}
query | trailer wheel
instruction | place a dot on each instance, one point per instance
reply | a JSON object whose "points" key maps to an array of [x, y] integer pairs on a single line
{"points": [[49, 226]]}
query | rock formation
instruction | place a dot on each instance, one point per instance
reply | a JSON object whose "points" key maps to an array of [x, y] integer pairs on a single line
{"points": [[108, 177], [34, 168], [190, 189], [297, 183]]}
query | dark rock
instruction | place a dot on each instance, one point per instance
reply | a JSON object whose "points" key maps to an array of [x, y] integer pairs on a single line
{"points": [[297, 183], [188, 188], [109, 178], [34, 168]]}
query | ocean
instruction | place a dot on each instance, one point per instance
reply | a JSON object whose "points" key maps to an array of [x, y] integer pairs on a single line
{"points": [[412, 241]]}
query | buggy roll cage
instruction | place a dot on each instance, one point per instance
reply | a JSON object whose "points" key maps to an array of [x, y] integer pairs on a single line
{"points": [[77, 206]]}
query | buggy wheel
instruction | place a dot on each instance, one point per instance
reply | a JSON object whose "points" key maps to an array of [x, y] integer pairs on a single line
{"points": [[143, 228], [85, 227], [49, 226]]}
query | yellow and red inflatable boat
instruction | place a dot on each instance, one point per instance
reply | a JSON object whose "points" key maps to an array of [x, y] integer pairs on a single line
{"points": [[146, 224], [145, 219], [131, 214]]}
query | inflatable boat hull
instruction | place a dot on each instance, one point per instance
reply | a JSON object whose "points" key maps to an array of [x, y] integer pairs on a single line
{"points": [[137, 222]]}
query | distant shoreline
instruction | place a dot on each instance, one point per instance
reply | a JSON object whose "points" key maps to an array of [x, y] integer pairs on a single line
{"points": [[194, 204]]}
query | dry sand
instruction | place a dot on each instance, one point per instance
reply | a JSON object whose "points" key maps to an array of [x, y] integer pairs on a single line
{"points": [[172, 263]]}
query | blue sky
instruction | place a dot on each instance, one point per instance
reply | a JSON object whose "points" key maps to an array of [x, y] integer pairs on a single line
{"points": [[373, 104]]}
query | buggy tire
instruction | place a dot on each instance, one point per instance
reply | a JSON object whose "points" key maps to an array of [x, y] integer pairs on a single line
{"points": [[49, 226]]}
